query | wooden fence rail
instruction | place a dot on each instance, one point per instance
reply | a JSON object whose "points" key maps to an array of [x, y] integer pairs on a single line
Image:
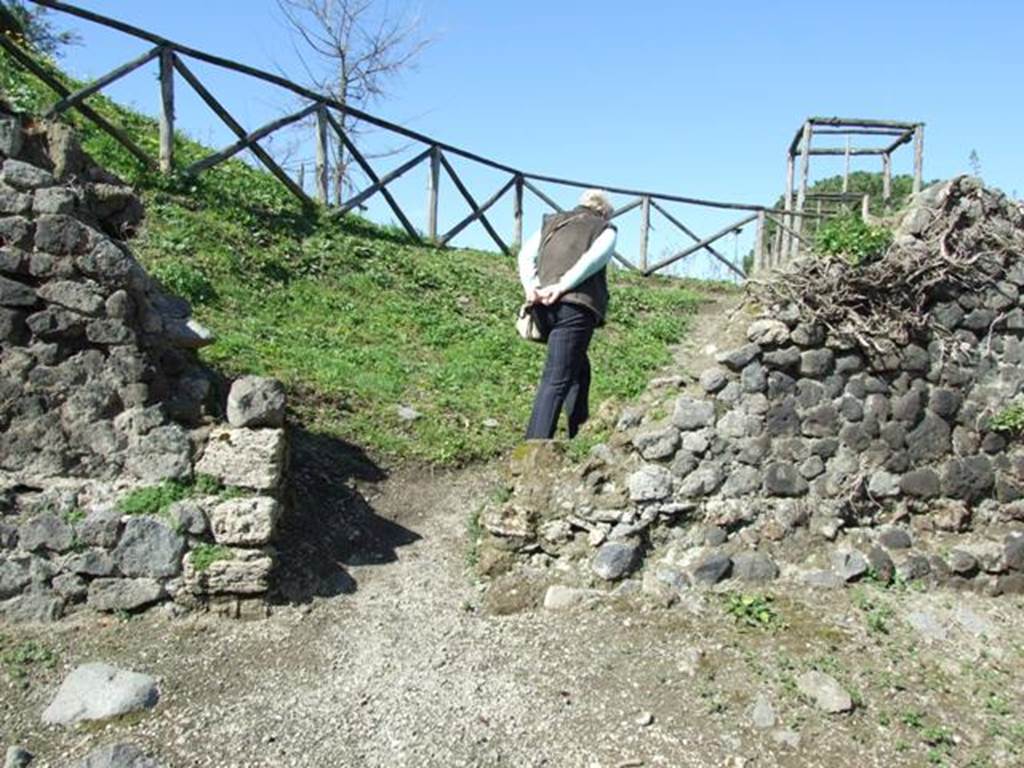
{"points": [[330, 119]]}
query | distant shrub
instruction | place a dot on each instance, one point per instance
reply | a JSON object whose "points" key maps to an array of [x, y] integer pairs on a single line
{"points": [[852, 238]]}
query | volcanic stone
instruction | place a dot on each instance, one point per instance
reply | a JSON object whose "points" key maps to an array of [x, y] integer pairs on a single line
{"points": [[713, 569]]}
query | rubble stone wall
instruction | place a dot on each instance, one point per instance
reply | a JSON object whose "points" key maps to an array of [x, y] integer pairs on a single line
{"points": [[101, 394], [802, 437]]}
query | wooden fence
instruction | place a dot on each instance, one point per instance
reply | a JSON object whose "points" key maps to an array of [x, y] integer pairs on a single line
{"points": [[330, 117]]}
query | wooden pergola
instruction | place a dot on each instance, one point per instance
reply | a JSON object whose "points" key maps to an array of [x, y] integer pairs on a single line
{"points": [[789, 234]]}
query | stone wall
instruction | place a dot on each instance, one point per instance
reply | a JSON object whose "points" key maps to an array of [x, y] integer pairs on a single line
{"points": [[810, 454], [102, 394]]}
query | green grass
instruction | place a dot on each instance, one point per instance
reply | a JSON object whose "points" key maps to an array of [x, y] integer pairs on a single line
{"points": [[203, 556], [157, 499], [354, 318], [20, 657]]}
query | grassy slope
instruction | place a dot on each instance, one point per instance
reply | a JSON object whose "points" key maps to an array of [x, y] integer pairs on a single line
{"points": [[353, 317]]}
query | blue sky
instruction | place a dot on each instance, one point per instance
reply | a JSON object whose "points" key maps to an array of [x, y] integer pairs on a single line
{"points": [[691, 98]]}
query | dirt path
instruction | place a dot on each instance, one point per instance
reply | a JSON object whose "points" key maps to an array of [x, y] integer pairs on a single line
{"points": [[409, 669]]}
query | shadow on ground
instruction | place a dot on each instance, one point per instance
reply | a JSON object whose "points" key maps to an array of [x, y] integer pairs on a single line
{"points": [[330, 526]]}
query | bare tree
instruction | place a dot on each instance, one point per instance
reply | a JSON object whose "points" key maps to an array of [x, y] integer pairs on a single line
{"points": [[358, 48]]}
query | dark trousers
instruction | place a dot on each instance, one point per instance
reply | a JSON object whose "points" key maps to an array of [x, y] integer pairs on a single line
{"points": [[565, 383]]}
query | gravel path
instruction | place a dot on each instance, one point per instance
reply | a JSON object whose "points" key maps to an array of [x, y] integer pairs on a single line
{"points": [[413, 665]]}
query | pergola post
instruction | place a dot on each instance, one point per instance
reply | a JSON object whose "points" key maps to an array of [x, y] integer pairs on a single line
{"points": [[886, 177], [785, 239], [805, 168]]}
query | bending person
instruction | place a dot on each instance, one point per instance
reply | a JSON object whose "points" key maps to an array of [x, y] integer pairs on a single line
{"points": [[563, 271]]}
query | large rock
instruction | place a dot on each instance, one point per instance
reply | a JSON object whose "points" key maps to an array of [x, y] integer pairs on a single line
{"points": [[117, 756], [560, 597], [657, 442], [754, 567], [15, 294], [38, 607], [245, 522], [691, 414], [768, 332], [256, 401], [615, 559], [164, 454], [124, 594], [101, 527], [21, 175], [849, 565], [248, 458], [100, 691], [149, 548], [713, 568], [783, 479], [15, 574], [246, 572], [650, 483], [825, 692], [70, 294], [46, 531]]}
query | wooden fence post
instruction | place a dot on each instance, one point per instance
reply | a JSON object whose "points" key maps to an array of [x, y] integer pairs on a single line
{"points": [[865, 206], [167, 110], [645, 226], [517, 212], [918, 157], [433, 183], [759, 261], [321, 155]]}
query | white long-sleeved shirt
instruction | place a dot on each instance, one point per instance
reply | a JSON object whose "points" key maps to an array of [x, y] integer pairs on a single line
{"points": [[595, 258]]}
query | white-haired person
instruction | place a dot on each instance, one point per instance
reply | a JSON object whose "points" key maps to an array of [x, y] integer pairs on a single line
{"points": [[563, 270]]}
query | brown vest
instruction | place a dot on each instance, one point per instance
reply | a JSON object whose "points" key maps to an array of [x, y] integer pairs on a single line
{"points": [[564, 238]]}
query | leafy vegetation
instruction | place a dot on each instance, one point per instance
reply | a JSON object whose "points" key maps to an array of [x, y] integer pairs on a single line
{"points": [[1010, 420], [852, 238], [157, 499], [752, 610], [357, 319], [202, 556], [19, 658]]}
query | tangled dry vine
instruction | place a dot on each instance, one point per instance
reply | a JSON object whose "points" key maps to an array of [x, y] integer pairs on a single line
{"points": [[957, 236]]}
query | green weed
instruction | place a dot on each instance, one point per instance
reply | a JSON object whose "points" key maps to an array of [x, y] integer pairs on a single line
{"points": [[852, 238], [753, 610], [19, 658], [204, 555], [1010, 420]]}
